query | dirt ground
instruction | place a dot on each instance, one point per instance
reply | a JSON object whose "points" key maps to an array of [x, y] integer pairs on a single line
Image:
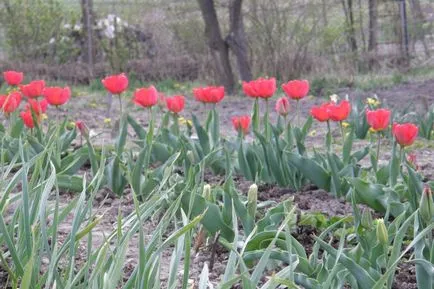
{"points": [[92, 111]]}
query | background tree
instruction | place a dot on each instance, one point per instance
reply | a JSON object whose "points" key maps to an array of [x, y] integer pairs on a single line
{"points": [[373, 27], [220, 47], [88, 43]]}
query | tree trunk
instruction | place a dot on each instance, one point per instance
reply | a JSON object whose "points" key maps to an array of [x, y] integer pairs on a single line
{"points": [[349, 15], [373, 25], [88, 43], [219, 48], [324, 13], [419, 17], [237, 39]]}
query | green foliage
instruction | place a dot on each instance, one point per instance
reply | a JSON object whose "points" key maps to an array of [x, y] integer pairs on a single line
{"points": [[29, 26]]}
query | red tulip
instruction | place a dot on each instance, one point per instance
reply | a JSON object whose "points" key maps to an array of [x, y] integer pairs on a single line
{"points": [[321, 113], [82, 127], [33, 89], [405, 134], [339, 112], [116, 84], [209, 94], [27, 118], [13, 78], [282, 106], [38, 107], [412, 159], [57, 95], [146, 97], [9, 103], [241, 123], [296, 89], [175, 103], [263, 88], [378, 119]]}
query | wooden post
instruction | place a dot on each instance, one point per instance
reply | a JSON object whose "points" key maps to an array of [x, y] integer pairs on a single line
{"points": [[87, 11], [404, 29]]}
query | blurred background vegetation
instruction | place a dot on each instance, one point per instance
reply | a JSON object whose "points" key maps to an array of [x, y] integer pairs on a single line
{"points": [[332, 42]]}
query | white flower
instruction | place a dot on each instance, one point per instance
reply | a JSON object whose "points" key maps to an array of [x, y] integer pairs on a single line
{"points": [[77, 27], [109, 32], [334, 98], [52, 40], [67, 26]]}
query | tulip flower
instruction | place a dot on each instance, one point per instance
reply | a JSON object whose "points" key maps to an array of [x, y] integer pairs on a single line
{"points": [[13, 78], [209, 94], [260, 88], [378, 119], [381, 232], [426, 205], [9, 103], [340, 112], [57, 95], [27, 118], [412, 160], [33, 89], [116, 84], [321, 113], [175, 103], [146, 97], [38, 107], [405, 134], [282, 106], [296, 89], [241, 124]]}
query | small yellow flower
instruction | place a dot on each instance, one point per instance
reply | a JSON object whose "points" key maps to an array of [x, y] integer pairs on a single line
{"points": [[176, 85], [93, 105], [107, 120], [183, 121], [373, 101], [371, 130], [312, 133], [345, 124], [44, 116]]}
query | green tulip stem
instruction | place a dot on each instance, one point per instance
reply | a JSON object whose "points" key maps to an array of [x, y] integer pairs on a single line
{"points": [[57, 115], [342, 132], [266, 118], [298, 112], [401, 154], [329, 137], [378, 149], [176, 123], [120, 103]]}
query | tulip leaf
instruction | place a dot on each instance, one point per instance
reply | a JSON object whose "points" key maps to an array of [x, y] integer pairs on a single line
{"points": [[212, 220], [202, 135], [364, 279], [311, 170], [369, 194], [138, 129]]}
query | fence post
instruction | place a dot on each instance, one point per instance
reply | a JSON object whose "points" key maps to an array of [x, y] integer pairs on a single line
{"points": [[88, 28], [404, 28]]}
